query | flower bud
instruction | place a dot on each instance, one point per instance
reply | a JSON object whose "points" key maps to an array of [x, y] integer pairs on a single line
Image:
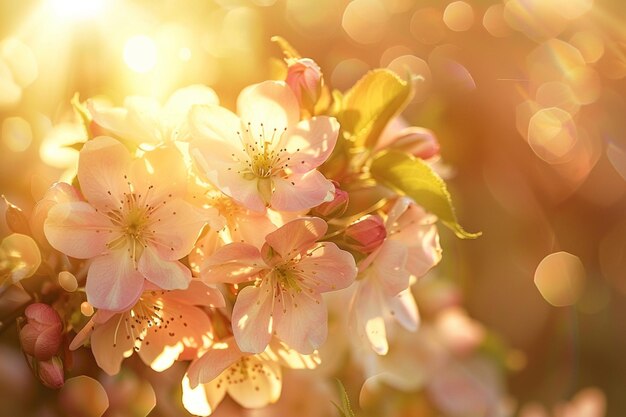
{"points": [[417, 141], [366, 234], [41, 336], [334, 208], [304, 77], [51, 372]]}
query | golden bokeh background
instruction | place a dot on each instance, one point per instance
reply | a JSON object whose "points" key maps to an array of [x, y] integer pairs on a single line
{"points": [[527, 98]]}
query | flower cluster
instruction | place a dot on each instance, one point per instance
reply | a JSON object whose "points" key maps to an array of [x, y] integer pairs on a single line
{"points": [[194, 233]]}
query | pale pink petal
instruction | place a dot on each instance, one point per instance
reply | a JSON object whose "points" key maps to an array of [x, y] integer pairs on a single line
{"points": [[162, 168], [301, 321], [261, 387], [397, 210], [143, 120], [403, 308], [161, 347], [168, 275], [251, 318], [110, 344], [328, 268], [296, 236], [198, 293], [389, 267], [82, 336], [214, 125], [102, 164], [175, 228], [78, 230], [310, 143], [301, 191], [113, 283], [184, 98], [244, 191], [203, 399], [368, 311], [210, 365], [426, 254], [271, 104], [251, 227], [234, 263]]}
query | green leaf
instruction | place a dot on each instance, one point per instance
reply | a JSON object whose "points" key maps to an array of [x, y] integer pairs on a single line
{"points": [[371, 103], [414, 178], [345, 409]]}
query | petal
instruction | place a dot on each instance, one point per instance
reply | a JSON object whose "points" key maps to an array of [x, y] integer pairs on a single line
{"points": [[198, 293], [168, 275], [143, 121], [270, 103], [251, 227], [82, 336], [161, 347], [252, 319], [210, 365], [160, 174], [112, 281], [403, 308], [203, 399], [233, 263], [310, 143], [301, 321], [389, 267], [301, 191], [370, 321], [261, 388], [296, 236], [211, 124], [178, 106], [328, 268], [175, 229], [110, 344], [78, 230], [102, 164], [110, 118]]}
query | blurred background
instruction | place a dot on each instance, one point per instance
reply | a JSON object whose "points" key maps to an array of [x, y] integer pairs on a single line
{"points": [[527, 98]]}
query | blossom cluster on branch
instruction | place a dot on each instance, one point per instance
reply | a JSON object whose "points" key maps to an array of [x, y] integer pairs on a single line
{"points": [[194, 233]]}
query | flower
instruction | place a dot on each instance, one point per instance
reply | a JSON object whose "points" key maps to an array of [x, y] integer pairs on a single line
{"points": [[366, 234], [290, 272], [144, 121], [252, 380], [161, 327], [41, 334], [135, 224], [409, 251], [264, 157]]}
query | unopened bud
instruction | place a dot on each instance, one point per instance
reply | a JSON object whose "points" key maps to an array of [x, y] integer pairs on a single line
{"points": [[366, 234], [41, 336], [335, 208], [304, 77], [51, 372], [417, 141], [16, 219]]}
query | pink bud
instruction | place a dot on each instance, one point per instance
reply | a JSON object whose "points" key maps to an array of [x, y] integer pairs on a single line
{"points": [[334, 208], [51, 373], [417, 141], [304, 77], [366, 234], [41, 336]]}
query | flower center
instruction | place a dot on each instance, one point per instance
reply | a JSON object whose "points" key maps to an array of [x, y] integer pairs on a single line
{"points": [[263, 157]]}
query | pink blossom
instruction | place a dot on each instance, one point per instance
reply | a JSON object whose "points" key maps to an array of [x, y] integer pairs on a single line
{"points": [[252, 380], [143, 120], [366, 234], [162, 327], [265, 156], [336, 207], [134, 226], [290, 272], [383, 293]]}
